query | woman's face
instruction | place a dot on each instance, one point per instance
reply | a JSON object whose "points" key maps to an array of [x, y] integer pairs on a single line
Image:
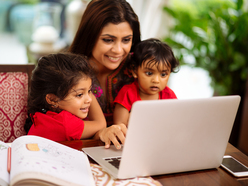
{"points": [[112, 46]]}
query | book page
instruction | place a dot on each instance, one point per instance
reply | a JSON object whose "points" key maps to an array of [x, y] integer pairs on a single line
{"points": [[39, 155], [4, 175]]}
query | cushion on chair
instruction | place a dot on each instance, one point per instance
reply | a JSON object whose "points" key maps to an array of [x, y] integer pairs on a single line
{"points": [[13, 105]]}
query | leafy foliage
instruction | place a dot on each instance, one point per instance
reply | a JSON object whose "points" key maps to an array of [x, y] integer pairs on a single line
{"points": [[216, 37]]}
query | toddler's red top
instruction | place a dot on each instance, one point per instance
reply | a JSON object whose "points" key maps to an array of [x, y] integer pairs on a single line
{"points": [[62, 126], [130, 93]]}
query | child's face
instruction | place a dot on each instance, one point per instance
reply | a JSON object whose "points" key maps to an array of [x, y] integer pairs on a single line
{"points": [[153, 78], [79, 99]]}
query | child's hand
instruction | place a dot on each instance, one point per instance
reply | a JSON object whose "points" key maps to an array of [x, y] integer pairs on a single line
{"points": [[113, 134]]}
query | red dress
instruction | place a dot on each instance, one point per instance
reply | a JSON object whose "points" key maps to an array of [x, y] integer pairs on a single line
{"points": [[130, 93], [62, 126]]}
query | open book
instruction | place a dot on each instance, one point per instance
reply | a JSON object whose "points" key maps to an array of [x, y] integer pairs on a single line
{"points": [[39, 161]]}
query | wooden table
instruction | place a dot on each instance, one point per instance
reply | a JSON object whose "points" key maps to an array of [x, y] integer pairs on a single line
{"points": [[211, 177]]}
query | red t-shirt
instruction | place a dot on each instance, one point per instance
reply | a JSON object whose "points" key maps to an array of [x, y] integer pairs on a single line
{"points": [[62, 126], [130, 93]]}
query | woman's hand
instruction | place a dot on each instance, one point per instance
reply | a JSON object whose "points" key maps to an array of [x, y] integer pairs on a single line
{"points": [[114, 134]]}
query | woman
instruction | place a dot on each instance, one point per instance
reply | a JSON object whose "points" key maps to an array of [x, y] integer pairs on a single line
{"points": [[108, 31]]}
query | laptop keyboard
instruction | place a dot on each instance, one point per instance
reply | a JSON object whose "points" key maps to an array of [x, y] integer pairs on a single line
{"points": [[114, 161]]}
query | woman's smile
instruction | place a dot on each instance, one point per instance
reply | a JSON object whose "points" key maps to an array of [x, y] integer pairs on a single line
{"points": [[112, 46], [114, 59]]}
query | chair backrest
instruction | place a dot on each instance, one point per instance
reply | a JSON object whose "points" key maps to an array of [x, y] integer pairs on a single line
{"points": [[14, 84], [243, 136]]}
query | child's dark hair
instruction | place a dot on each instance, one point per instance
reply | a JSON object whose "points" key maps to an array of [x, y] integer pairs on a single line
{"points": [[153, 50], [55, 74]]}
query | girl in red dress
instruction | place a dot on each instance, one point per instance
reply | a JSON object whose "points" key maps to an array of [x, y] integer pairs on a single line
{"points": [[60, 98], [151, 63]]}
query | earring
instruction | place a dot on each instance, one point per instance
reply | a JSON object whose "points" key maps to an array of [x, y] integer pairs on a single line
{"points": [[135, 76]]}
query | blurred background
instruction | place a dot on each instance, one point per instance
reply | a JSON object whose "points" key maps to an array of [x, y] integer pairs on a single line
{"points": [[32, 28], [209, 37]]}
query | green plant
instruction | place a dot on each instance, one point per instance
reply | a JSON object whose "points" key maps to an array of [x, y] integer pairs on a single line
{"points": [[215, 35]]}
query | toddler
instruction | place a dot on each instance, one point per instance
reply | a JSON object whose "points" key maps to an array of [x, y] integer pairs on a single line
{"points": [[151, 64]]}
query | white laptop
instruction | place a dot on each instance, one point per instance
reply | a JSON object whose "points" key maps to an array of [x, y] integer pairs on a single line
{"points": [[170, 136]]}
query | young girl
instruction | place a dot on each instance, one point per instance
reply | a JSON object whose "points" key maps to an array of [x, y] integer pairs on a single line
{"points": [[151, 63], [60, 97]]}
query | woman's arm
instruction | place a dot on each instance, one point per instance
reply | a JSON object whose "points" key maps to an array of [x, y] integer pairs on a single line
{"points": [[96, 120]]}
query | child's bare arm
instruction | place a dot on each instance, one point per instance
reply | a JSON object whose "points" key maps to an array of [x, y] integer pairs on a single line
{"points": [[117, 132], [121, 115], [96, 120]]}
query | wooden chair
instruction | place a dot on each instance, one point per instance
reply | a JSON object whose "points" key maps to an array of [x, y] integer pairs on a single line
{"points": [[14, 85], [243, 136]]}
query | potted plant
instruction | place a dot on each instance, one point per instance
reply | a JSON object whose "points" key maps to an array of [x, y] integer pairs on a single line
{"points": [[215, 34]]}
